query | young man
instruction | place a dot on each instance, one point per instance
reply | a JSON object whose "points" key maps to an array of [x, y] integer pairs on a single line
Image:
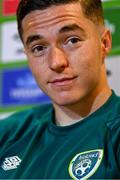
{"points": [[78, 135]]}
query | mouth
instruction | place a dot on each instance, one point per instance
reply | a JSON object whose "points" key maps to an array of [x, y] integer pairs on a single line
{"points": [[61, 82]]}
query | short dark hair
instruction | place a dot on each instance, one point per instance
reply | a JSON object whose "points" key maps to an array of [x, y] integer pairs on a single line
{"points": [[91, 8]]}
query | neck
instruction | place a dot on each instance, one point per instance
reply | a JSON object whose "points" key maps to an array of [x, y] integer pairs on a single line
{"points": [[70, 114]]}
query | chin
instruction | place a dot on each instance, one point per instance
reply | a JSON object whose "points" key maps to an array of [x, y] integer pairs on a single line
{"points": [[71, 98], [65, 101]]}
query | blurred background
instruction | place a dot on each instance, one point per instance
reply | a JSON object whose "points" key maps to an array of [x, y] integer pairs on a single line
{"points": [[18, 89]]}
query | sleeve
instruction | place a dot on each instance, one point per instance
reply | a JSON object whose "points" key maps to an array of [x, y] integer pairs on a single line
{"points": [[115, 138]]}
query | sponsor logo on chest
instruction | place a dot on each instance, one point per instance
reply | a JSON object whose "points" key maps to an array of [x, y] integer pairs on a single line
{"points": [[10, 163]]}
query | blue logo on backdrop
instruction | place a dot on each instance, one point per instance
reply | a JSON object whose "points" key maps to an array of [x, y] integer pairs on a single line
{"points": [[20, 88]]}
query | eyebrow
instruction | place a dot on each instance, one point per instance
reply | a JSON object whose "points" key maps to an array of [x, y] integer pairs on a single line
{"points": [[70, 27], [67, 28], [32, 38]]}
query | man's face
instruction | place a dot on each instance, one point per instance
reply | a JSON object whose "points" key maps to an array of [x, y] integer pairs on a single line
{"points": [[65, 52]]}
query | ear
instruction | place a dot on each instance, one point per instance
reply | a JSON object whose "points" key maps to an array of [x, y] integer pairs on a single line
{"points": [[25, 51], [106, 42]]}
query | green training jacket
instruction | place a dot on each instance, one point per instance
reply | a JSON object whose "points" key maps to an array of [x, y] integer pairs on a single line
{"points": [[33, 147]]}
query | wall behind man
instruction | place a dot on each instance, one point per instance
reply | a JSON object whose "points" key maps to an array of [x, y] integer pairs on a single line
{"points": [[18, 89], [112, 16]]}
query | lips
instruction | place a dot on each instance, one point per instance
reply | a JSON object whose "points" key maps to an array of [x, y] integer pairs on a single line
{"points": [[63, 81]]}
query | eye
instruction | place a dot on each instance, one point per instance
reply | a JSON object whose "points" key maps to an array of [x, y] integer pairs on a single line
{"points": [[38, 50], [72, 40]]}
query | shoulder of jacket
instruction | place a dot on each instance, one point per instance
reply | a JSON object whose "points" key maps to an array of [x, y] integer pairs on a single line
{"points": [[24, 119]]}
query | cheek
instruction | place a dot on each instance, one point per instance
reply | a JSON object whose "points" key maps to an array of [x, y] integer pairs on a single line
{"points": [[87, 61], [38, 70]]}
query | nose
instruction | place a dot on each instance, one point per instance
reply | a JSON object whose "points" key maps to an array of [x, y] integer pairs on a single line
{"points": [[58, 60]]}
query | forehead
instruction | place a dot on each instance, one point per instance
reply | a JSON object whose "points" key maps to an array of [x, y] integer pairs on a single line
{"points": [[53, 10], [52, 13], [53, 18]]}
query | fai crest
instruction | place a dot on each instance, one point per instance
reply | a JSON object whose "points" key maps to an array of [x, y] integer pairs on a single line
{"points": [[85, 164]]}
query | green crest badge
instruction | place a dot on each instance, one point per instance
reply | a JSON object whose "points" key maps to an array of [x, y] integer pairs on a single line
{"points": [[85, 164]]}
